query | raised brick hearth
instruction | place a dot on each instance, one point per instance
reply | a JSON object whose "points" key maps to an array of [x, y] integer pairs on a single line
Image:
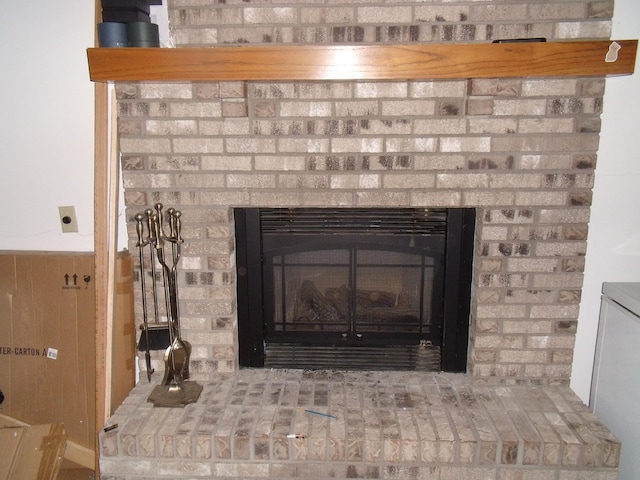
{"points": [[382, 425], [522, 152]]}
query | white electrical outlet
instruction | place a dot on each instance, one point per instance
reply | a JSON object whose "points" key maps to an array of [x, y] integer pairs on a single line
{"points": [[68, 219]]}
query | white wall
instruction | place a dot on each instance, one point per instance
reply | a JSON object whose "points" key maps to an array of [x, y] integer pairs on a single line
{"points": [[46, 137], [613, 252]]}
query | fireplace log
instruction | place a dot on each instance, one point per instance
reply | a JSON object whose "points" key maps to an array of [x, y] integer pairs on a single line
{"points": [[339, 299], [375, 299], [313, 307]]}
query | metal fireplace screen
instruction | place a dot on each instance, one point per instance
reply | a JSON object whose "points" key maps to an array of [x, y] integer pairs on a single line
{"points": [[349, 288]]}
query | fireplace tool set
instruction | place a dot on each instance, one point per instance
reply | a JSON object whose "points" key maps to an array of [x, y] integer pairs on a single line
{"points": [[164, 249]]}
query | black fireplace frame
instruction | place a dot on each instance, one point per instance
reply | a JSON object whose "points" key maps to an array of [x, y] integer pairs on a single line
{"points": [[456, 283]]}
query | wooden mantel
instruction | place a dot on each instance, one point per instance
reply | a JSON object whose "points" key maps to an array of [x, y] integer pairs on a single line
{"points": [[363, 62]]}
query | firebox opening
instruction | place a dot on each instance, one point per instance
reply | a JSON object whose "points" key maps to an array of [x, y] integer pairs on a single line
{"points": [[354, 289]]}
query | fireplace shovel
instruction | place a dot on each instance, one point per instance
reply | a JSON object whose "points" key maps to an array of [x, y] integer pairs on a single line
{"points": [[177, 355]]}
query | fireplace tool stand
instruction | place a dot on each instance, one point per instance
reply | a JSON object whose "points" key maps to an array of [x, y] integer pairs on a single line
{"points": [[174, 390]]}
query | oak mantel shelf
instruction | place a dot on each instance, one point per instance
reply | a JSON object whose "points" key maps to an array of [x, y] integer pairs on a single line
{"points": [[362, 62]]}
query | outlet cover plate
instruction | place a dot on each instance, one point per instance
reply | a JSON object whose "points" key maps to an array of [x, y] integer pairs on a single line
{"points": [[68, 219]]}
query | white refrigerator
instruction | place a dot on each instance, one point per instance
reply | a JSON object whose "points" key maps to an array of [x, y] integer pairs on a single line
{"points": [[615, 387]]}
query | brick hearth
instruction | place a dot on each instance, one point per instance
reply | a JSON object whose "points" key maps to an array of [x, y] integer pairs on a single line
{"points": [[382, 426]]}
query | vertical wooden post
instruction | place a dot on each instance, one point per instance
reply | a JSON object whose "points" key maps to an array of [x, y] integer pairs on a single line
{"points": [[101, 185], [101, 255]]}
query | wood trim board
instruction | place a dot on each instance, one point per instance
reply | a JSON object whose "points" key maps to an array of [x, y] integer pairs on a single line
{"points": [[363, 62]]}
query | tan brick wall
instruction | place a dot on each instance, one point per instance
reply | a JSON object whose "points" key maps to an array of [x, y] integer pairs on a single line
{"points": [[523, 151]]}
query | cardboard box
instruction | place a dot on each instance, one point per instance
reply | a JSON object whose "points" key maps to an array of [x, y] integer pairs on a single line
{"points": [[30, 452], [47, 344], [123, 364], [47, 350]]}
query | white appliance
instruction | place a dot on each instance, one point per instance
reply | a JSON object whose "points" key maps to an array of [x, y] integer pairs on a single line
{"points": [[615, 387]]}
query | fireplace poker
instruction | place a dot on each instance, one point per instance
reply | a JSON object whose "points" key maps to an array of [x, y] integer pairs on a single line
{"points": [[157, 220], [175, 226]]}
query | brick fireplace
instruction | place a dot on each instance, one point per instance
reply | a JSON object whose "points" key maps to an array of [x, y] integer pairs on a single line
{"points": [[521, 152]]}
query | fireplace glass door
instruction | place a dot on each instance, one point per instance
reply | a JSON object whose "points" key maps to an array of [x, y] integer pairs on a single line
{"points": [[347, 288], [330, 294]]}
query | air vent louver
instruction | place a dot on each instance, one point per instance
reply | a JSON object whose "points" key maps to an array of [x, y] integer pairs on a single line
{"points": [[402, 221]]}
